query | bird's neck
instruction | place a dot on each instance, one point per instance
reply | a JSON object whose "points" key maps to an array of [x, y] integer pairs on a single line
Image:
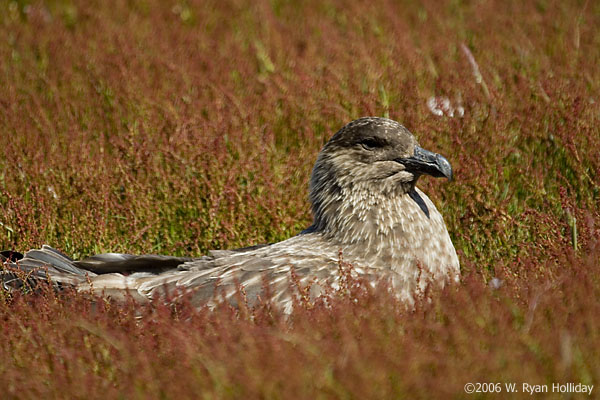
{"points": [[362, 215]]}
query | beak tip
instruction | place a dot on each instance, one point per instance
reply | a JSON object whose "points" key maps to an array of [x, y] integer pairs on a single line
{"points": [[445, 167]]}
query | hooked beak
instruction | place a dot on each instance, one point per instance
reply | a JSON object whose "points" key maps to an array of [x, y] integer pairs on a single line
{"points": [[427, 162]]}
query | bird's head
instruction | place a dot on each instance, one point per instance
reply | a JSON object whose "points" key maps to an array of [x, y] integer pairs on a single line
{"points": [[371, 157]]}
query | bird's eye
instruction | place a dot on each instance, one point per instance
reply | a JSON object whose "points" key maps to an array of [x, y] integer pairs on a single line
{"points": [[372, 143]]}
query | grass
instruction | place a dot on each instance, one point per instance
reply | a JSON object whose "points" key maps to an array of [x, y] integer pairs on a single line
{"points": [[180, 126]]}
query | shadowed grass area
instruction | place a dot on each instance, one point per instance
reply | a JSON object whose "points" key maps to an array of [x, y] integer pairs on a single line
{"points": [[181, 126]]}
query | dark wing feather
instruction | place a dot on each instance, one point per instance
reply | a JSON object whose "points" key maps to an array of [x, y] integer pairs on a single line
{"points": [[115, 262]]}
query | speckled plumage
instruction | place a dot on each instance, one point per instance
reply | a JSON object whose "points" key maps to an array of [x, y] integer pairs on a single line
{"points": [[365, 205]]}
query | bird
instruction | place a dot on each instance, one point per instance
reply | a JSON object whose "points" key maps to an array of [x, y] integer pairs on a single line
{"points": [[367, 211]]}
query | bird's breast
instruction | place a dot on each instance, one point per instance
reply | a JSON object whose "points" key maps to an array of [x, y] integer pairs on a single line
{"points": [[402, 233]]}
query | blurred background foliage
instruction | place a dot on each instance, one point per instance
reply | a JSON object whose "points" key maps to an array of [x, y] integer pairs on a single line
{"points": [[181, 126]]}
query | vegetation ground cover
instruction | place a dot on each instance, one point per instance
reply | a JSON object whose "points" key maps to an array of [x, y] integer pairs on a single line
{"points": [[180, 126]]}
